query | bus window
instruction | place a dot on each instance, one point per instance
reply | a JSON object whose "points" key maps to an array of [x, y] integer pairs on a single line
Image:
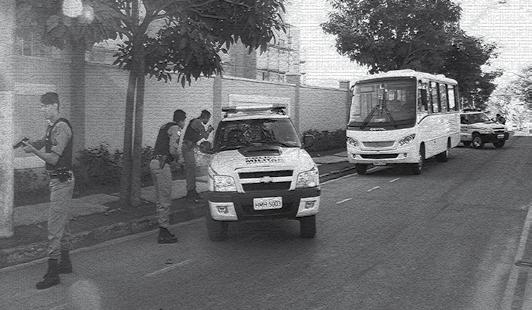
{"points": [[434, 98], [422, 100], [443, 98], [451, 96]]}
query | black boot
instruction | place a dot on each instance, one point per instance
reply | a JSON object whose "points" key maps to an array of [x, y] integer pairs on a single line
{"points": [[165, 236], [51, 277], [65, 265]]}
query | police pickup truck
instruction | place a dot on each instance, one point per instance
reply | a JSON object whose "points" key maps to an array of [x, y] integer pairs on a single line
{"points": [[476, 129], [259, 170]]}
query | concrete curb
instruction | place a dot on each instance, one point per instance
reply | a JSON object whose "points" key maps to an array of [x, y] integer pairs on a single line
{"points": [[35, 251]]}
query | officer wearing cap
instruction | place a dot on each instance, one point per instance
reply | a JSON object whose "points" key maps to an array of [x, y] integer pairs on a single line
{"points": [[166, 150], [57, 155]]}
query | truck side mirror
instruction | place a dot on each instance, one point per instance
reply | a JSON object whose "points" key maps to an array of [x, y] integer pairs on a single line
{"points": [[308, 140]]}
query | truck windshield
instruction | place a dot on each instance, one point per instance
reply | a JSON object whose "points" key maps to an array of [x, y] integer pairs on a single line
{"points": [[243, 133], [478, 118], [383, 104]]}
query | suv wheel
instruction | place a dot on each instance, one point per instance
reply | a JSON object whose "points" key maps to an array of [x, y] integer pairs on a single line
{"points": [[307, 226], [217, 230], [477, 141], [498, 144], [361, 168]]}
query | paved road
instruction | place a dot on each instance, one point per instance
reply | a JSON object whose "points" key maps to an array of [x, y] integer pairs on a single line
{"points": [[446, 239]]}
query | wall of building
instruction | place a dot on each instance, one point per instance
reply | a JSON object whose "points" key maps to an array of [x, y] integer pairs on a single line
{"points": [[314, 107]]}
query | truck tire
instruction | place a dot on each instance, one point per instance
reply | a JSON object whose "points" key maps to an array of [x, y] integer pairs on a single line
{"points": [[361, 168], [217, 230], [477, 141], [307, 226], [499, 144]]}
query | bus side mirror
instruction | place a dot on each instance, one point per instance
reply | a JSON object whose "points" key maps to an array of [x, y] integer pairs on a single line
{"points": [[308, 141]]}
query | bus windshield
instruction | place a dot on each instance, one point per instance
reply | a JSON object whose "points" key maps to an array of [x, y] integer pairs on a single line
{"points": [[383, 104]]}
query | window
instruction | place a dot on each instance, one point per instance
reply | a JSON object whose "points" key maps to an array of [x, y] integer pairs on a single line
{"points": [[451, 97], [435, 98], [422, 99], [443, 98]]}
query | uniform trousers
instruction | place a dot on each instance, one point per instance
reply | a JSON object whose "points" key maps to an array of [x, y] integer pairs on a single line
{"points": [[162, 181], [59, 216]]}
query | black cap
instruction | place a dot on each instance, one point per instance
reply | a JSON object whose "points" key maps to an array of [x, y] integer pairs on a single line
{"points": [[50, 98], [179, 115]]}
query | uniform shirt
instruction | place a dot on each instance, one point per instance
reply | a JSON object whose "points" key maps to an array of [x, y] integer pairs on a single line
{"points": [[61, 135], [174, 132]]}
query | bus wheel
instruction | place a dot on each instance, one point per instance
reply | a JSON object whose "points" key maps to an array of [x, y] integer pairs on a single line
{"points": [[307, 226], [416, 168], [498, 144], [217, 230], [477, 141], [361, 168]]}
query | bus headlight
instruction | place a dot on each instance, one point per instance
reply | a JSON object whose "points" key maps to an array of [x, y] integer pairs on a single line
{"points": [[407, 139], [310, 178], [352, 142], [224, 183]]}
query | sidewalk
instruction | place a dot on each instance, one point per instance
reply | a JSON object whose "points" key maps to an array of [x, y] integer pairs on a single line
{"points": [[97, 218]]}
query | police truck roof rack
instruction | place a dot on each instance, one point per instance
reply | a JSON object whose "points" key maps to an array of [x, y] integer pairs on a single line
{"points": [[262, 109]]}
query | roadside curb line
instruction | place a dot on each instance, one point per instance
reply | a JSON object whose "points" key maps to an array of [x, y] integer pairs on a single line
{"points": [[35, 252], [514, 295]]}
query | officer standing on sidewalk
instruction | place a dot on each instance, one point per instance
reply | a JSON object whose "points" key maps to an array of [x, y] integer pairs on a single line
{"points": [[166, 150], [195, 131], [57, 155]]}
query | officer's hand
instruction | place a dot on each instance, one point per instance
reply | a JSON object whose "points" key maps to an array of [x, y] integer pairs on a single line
{"points": [[210, 128], [28, 148]]}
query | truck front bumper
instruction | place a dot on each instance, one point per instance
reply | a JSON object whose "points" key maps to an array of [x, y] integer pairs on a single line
{"points": [[235, 206]]}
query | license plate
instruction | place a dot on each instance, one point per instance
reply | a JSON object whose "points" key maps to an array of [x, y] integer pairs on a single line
{"points": [[500, 136], [379, 163], [267, 203]]}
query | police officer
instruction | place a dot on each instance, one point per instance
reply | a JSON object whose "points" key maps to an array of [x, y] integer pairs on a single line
{"points": [[166, 150], [57, 155], [195, 131]]}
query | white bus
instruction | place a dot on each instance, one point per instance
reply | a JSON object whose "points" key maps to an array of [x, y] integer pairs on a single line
{"points": [[402, 117]]}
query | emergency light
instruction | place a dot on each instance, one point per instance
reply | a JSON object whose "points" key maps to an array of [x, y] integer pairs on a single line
{"points": [[273, 108]]}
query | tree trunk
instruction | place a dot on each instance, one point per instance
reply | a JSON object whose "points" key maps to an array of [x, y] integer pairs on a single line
{"points": [[77, 94], [136, 169], [125, 181]]}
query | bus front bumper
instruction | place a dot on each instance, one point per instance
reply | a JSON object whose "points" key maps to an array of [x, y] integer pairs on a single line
{"points": [[383, 157]]}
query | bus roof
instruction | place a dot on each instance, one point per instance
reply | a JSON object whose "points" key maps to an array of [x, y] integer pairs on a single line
{"points": [[408, 73]]}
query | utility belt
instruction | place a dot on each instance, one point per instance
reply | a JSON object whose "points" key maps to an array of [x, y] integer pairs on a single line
{"points": [[62, 174], [166, 158]]}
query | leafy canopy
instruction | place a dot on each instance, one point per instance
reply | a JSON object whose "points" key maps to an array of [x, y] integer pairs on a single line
{"points": [[171, 36]]}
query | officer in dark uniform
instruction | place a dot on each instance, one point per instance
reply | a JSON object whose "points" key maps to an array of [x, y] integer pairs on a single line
{"points": [[166, 150], [57, 155], [195, 132]]}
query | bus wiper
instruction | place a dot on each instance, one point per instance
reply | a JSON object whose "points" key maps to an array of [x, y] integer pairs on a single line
{"points": [[370, 116]]}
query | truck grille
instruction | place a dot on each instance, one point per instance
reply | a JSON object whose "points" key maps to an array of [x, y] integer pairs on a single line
{"points": [[260, 174], [266, 180], [266, 186]]}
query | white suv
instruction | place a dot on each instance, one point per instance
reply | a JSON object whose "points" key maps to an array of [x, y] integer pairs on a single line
{"points": [[476, 129], [259, 170]]}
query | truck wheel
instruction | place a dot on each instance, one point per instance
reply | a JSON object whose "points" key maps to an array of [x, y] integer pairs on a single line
{"points": [[217, 230], [307, 226], [361, 168], [498, 144], [477, 141], [417, 167]]}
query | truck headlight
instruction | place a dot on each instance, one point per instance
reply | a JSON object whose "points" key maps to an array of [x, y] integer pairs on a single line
{"points": [[407, 139], [352, 142], [310, 178], [224, 183]]}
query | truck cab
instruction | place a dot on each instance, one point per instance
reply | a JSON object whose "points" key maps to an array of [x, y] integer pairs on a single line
{"points": [[476, 129], [260, 170]]}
